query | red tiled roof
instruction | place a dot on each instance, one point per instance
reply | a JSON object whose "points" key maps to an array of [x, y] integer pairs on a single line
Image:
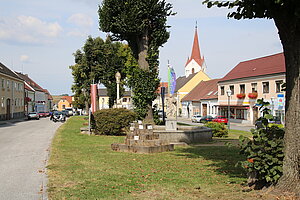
{"points": [[196, 55], [204, 90], [162, 84], [257, 67], [30, 82], [68, 98]]}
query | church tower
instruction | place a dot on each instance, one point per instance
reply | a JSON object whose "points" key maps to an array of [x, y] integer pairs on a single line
{"points": [[196, 62]]}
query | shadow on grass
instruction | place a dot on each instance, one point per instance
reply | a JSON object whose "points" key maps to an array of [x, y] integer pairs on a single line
{"points": [[224, 158]]}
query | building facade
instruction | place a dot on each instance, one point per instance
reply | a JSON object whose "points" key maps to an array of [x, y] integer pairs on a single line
{"points": [[202, 100], [249, 81], [11, 94]]}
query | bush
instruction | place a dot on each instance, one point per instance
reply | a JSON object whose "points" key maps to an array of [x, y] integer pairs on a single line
{"points": [[113, 121], [264, 153], [218, 129]]}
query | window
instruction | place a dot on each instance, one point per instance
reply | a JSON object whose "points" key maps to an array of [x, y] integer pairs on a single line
{"points": [[63, 106], [222, 90], [242, 88], [278, 86], [241, 114], [124, 99], [231, 88], [2, 83], [254, 87], [193, 70], [2, 102], [265, 87], [210, 93], [7, 84]]}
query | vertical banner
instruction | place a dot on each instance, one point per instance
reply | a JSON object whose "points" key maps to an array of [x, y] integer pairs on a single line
{"points": [[93, 97], [171, 80]]}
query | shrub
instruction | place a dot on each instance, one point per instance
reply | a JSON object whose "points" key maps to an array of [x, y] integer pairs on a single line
{"points": [[114, 121], [264, 153], [218, 129]]}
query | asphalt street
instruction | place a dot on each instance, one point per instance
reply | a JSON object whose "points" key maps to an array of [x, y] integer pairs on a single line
{"points": [[24, 150], [234, 126]]}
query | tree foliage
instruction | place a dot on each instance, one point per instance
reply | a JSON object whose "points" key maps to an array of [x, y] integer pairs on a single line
{"points": [[142, 24], [98, 62]]}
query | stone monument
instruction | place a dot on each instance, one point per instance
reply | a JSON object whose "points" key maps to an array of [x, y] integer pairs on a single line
{"points": [[171, 121], [142, 139]]}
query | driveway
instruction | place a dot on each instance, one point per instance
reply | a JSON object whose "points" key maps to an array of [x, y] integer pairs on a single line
{"points": [[24, 148]]}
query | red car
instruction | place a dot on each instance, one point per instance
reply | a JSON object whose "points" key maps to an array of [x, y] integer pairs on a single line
{"points": [[42, 114], [221, 119]]}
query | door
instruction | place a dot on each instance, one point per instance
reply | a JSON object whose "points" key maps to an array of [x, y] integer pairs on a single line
{"points": [[204, 106], [8, 114]]}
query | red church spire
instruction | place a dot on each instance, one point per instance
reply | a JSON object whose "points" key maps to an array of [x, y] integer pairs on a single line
{"points": [[196, 55]]}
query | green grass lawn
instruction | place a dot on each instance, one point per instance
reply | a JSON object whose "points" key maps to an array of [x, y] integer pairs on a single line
{"points": [[85, 167]]}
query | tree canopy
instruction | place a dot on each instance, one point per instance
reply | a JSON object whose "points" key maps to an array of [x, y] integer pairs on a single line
{"points": [[142, 23], [98, 62]]}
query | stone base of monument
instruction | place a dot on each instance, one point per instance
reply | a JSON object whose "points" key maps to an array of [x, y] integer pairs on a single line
{"points": [[142, 139], [171, 125]]}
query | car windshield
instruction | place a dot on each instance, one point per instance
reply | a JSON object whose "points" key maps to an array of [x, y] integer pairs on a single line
{"points": [[32, 113]]}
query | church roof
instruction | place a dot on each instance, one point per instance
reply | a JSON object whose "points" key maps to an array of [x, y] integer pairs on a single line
{"points": [[196, 54]]}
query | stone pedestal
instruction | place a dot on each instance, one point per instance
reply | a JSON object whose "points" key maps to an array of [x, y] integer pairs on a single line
{"points": [[171, 125], [142, 139]]}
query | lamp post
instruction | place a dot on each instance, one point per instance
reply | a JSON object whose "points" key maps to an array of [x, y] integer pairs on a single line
{"points": [[162, 93], [118, 78], [272, 101], [228, 94]]}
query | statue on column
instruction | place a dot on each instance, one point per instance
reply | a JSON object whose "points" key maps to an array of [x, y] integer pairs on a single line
{"points": [[171, 107]]}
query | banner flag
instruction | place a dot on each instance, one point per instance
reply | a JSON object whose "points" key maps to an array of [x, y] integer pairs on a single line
{"points": [[171, 80], [93, 98]]}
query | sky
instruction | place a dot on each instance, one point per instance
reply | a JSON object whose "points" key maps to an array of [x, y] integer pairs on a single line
{"points": [[39, 37]]}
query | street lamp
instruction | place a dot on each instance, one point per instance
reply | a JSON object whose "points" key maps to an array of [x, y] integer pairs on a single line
{"points": [[228, 94], [118, 78], [272, 101]]}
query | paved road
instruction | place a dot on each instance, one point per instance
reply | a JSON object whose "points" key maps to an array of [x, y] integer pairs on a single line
{"points": [[23, 153], [235, 126]]}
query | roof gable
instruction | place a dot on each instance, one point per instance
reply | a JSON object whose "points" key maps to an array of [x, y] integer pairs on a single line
{"points": [[5, 70], [257, 67], [204, 90]]}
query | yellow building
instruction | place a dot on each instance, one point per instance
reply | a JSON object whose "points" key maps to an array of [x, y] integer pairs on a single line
{"points": [[11, 94], [65, 102]]}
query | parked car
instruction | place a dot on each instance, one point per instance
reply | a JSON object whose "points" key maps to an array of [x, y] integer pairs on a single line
{"points": [[69, 112], [47, 114], [275, 120], [220, 119], [42, 114], [58, 116], [196, 118], [206, 119], [65, 112], [33, 115]]}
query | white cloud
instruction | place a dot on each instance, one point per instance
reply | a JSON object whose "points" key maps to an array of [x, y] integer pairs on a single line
{"points": [[82, 20], [82, 25], [24, 58], [28, 30]]}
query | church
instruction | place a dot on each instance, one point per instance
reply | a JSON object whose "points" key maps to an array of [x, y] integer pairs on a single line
{"points": [[195, 72]]}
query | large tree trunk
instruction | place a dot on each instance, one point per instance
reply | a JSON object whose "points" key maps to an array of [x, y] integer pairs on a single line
{"points": [[289, 32], [143, 46]]}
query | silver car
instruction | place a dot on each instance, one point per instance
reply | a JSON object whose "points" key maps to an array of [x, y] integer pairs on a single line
{"points": [[196, 118], [33, 115]]}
